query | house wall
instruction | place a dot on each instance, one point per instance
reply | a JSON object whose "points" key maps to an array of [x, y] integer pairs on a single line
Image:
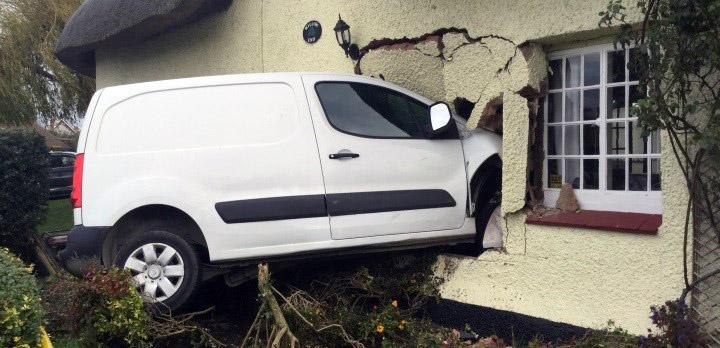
{"points": [[482, 51]]}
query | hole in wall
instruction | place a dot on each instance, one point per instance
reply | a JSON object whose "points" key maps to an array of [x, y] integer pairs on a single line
{"points": [[463, 107], [492, 115]]}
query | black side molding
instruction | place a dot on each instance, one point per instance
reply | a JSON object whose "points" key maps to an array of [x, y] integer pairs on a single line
{"points": [[335, 204], [267, 209], [382, 201]]}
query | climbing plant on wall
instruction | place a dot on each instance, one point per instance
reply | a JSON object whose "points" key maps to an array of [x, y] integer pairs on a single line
{"points": [[33, 83]]}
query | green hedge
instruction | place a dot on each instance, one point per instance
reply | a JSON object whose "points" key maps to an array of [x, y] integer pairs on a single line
{"points": [[24, 168], [21, 313]]}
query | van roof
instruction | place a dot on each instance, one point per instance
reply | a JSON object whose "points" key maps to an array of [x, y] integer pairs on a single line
{"points": [[114, 94], [223, 79]]}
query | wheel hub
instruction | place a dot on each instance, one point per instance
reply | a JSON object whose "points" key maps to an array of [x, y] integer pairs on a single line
{"points": [[154, 271], [158, 270]]}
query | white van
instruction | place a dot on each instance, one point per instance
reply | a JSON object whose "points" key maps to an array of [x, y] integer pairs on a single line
{"points": [[173, 178]]}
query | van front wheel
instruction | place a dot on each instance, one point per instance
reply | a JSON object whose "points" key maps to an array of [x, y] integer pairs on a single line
{"points": [[164, 267]]}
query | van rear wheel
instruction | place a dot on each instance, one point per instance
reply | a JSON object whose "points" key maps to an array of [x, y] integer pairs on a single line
{"points": [[164, 267]]}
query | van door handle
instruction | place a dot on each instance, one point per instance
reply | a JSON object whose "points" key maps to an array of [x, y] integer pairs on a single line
{"points": [[340, 155]]}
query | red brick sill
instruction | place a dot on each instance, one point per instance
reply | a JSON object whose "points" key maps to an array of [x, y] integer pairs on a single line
{"points": [[601, 220]]}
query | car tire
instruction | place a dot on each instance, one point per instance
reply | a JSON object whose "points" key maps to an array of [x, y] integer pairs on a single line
{"points": [[164, 266], [487, 198]]}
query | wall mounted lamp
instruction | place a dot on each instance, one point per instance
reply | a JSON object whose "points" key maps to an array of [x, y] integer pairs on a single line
{"points": [[344, 39]]}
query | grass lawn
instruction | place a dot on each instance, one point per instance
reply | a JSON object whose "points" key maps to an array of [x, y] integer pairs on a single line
{"points": [[59, 217]]}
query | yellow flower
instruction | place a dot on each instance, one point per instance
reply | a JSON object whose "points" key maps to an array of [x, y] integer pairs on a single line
{"points": [[394, 303], [379, 329]]}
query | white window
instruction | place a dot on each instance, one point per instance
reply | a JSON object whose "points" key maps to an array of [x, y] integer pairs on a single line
{"points": [[591, 142]]}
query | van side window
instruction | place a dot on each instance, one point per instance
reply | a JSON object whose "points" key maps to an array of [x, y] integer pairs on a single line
{"points": [[372, 111]]}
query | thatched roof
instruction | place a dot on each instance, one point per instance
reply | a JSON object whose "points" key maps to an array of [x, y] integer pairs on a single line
{"points": [[116, 23]]}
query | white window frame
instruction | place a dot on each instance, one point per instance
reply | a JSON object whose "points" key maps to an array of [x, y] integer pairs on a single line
{"points": [[600, 199]]}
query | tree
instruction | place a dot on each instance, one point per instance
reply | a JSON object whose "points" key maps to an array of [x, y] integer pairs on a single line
{"points": [[33, 83], [679, 69]]}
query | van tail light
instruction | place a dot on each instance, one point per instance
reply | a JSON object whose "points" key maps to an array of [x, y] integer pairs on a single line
{"points": [[76, 195]]}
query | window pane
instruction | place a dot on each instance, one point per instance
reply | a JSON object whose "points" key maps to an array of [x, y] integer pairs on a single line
{"points": [[591, 104], [572, 172], [638, 143], [421, 113], [556, 74], [572, 72], [616, 66], [572, 140], [554, 140], [368, 110], [555, 107], [655, 142], [616, 102], [554, 177], [655, 174], [402, 111], [616, 174], [592, 69], [572, 106], [638, 174], [591, 139], [634, 56], [616, 138], [591, 178]]}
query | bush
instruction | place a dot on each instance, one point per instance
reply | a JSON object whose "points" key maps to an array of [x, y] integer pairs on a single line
{"points": [[103, 308], [21, 313], [23, 189], [676, 327]]}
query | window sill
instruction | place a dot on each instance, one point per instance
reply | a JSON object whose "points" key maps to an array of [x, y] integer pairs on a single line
{"points": [[601, 220]]}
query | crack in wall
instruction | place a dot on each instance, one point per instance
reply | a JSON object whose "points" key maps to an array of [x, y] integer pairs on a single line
{"points": [[436, 35]]}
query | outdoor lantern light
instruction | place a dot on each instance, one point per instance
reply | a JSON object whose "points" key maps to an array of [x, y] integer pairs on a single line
{"points": [[342, 34]]}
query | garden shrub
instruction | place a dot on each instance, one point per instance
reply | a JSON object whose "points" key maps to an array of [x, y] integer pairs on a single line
{"points": [[675, 327], [24, 168], [21, 313], [102, 309]]}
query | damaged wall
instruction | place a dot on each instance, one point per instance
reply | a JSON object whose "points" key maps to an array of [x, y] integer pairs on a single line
{"points": [[490, 54], [489, 71]]}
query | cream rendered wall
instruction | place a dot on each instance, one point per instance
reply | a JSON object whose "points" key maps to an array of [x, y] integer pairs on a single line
{"points": [[582, 277], [227, 43]]}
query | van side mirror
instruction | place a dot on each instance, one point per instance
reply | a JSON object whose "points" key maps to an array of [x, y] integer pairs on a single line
{"points": [[439, 117]]}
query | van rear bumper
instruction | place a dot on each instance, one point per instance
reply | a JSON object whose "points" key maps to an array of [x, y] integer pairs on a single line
{"points": [[83, 249]]}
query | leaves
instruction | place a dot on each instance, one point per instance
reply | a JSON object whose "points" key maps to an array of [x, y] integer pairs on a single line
{"points": [[103, 308], [21, 313], [24, 168], [33, 83]]}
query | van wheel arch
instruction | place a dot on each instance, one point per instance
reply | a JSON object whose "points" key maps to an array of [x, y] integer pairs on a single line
{"points": [[483, 175], [485, 185], [124, 229]]}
